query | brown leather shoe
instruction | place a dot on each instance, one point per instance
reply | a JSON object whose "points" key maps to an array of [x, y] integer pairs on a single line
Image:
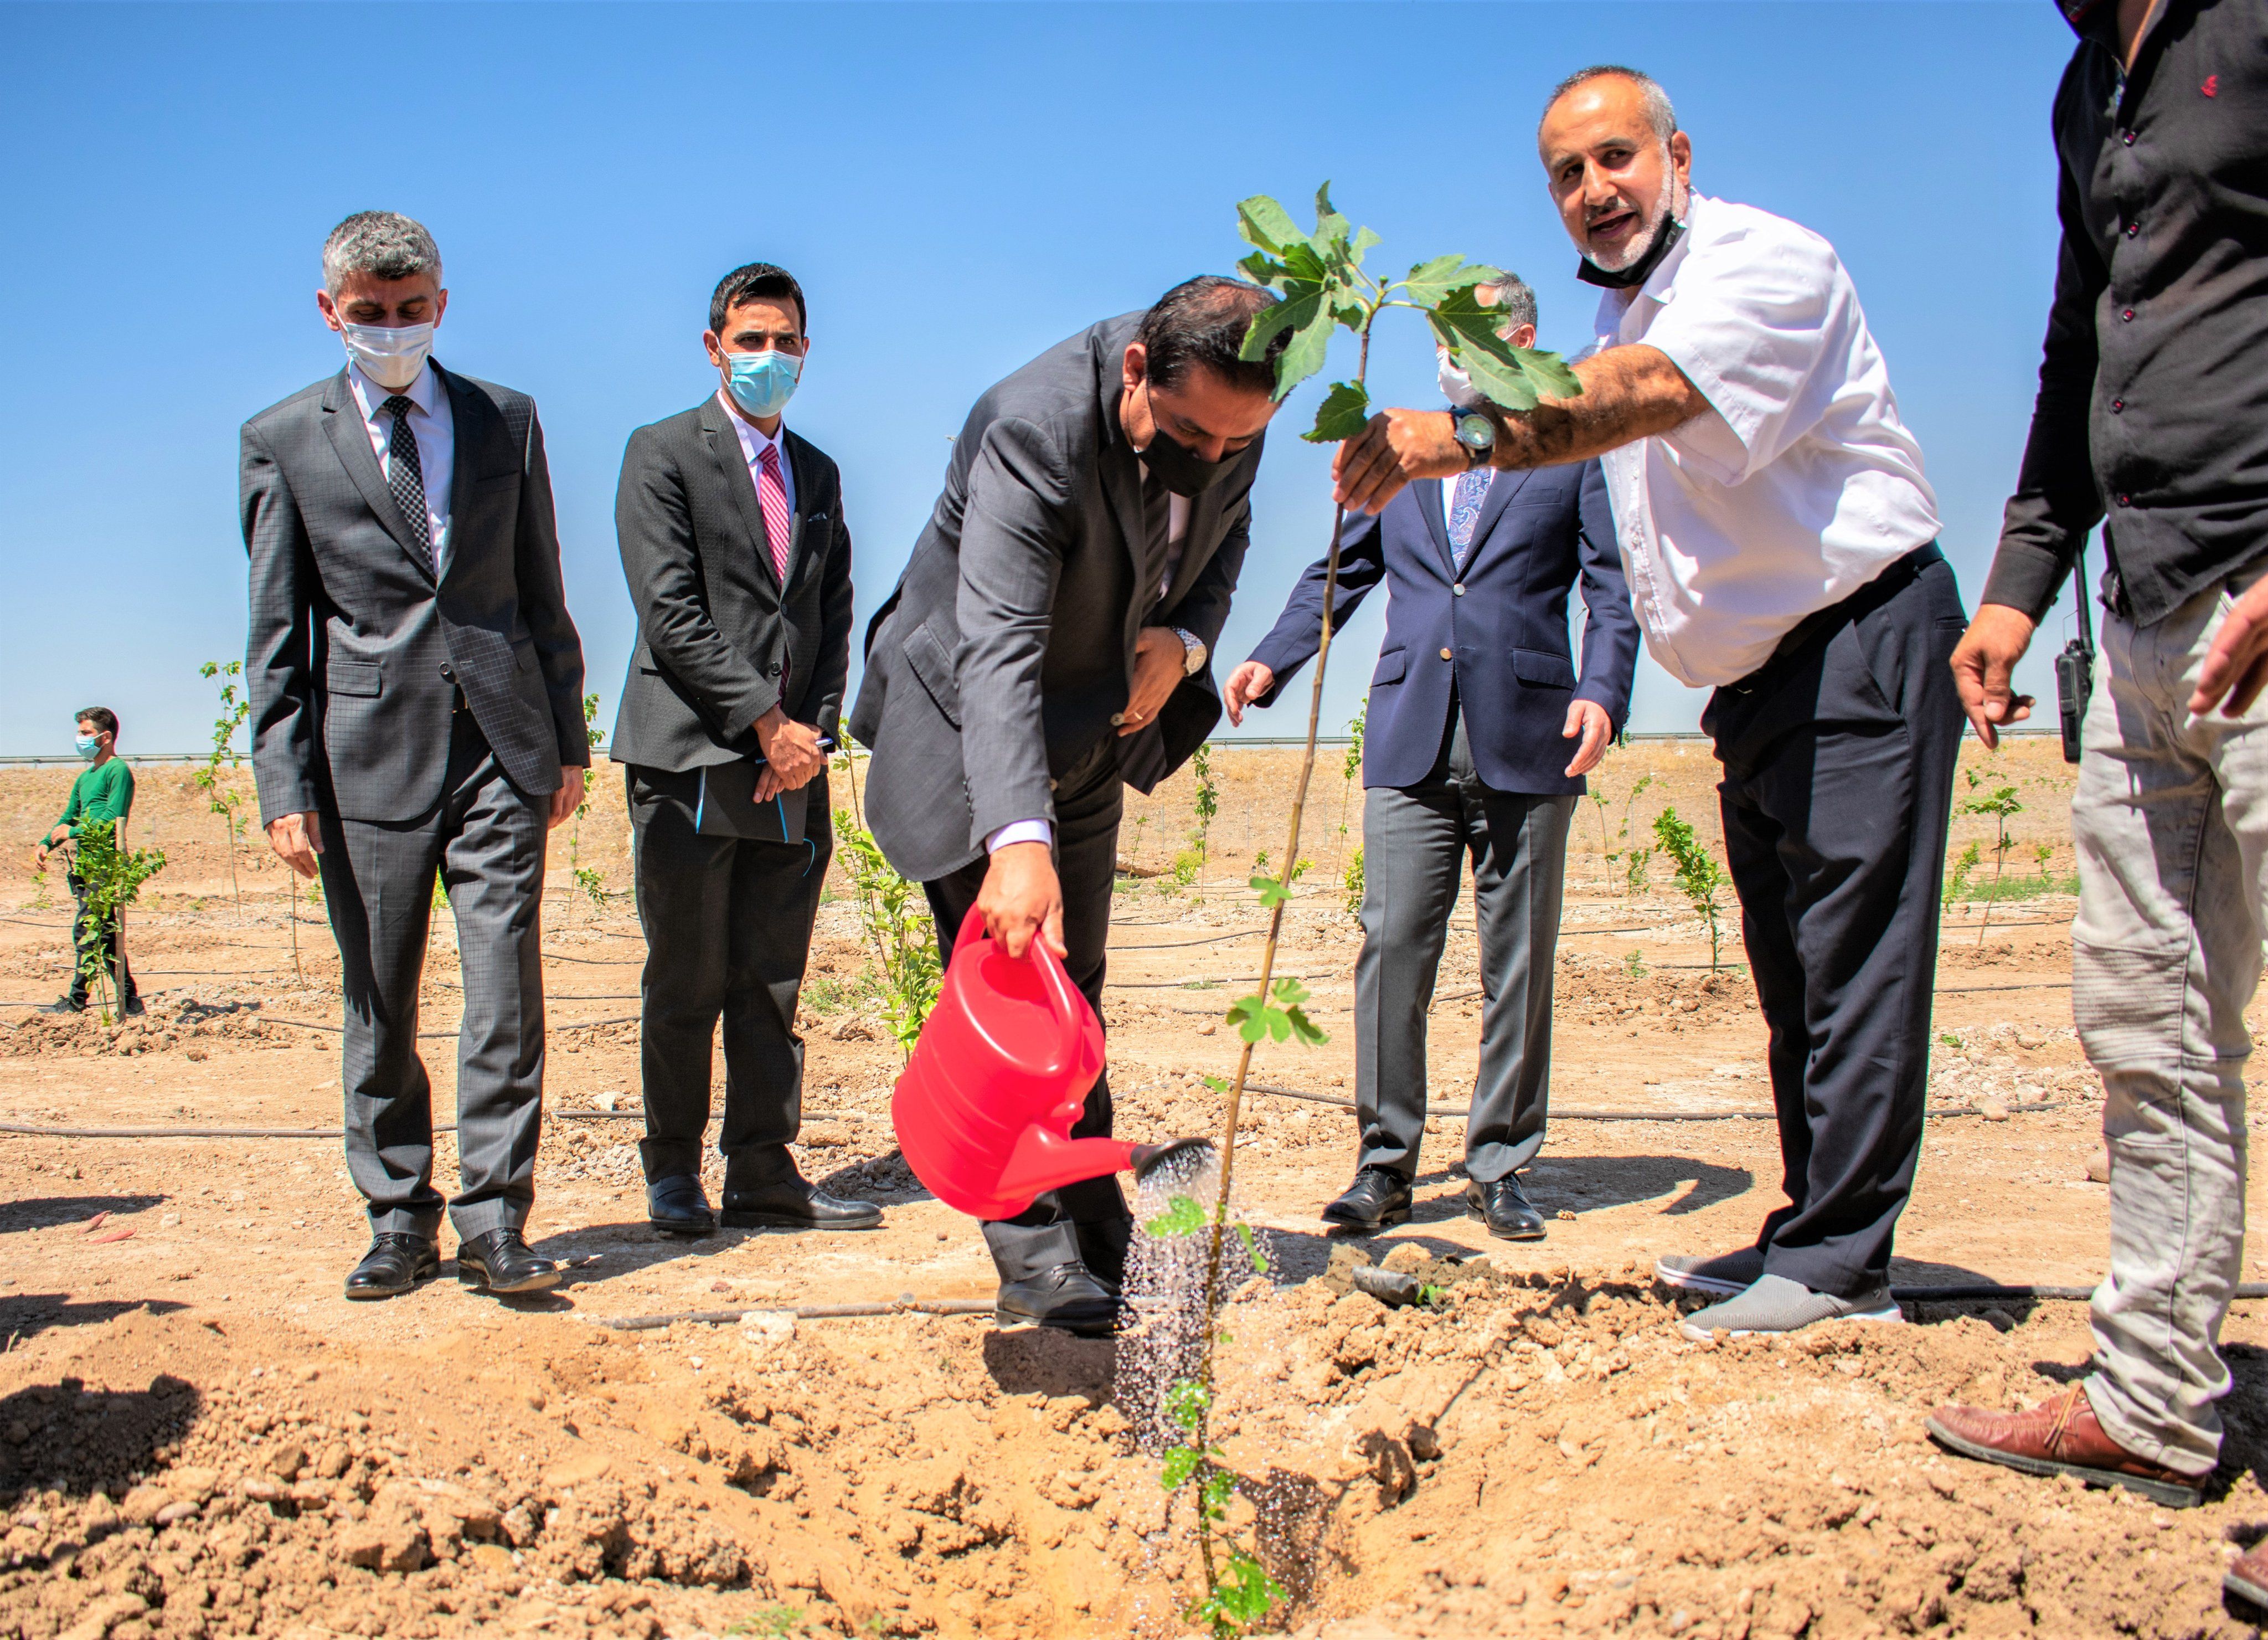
{"points": [[2248, 1575], [2060, 1436]]}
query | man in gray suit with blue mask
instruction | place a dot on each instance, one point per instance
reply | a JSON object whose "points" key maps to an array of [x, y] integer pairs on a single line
{"points": [[417, 709]]}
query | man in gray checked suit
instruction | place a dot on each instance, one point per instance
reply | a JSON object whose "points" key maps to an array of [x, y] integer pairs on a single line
{"points": [[1048, 642], [416, 698]]}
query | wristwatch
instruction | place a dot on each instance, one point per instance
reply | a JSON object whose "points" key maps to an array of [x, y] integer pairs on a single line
{"points": [[1193, 651], [1476, 434]]}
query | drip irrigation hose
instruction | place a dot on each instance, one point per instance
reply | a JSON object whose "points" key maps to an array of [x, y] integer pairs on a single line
{"points": [[908, 1306], [340, 1133], [1636, 1116], [1974, 1292]]}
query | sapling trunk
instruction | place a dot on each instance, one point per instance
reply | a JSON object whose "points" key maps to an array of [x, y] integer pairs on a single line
{"points": [[1219, 1231]]}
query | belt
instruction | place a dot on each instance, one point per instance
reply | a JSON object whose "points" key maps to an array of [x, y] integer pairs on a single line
{"points": [[1901, 574]]}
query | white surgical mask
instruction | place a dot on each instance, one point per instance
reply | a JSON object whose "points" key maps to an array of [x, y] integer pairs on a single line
{"points": [[1456, 386], [390, 356]]}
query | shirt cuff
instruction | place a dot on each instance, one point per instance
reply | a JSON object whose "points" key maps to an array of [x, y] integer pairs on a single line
{"points": [[1020, 832]]}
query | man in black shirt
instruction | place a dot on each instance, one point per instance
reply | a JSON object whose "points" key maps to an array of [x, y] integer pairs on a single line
{"points": [[2153, 408]]}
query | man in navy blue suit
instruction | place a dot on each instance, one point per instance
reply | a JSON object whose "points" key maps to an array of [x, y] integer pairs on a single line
{"points": [[1475, 696]]}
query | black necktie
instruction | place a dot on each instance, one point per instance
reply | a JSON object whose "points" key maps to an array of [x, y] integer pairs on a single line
{"points": [[1157, 525], [404, 477]]}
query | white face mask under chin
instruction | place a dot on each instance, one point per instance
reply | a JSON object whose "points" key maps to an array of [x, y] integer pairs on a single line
{"points": [[1457, 387], [390, 356]]}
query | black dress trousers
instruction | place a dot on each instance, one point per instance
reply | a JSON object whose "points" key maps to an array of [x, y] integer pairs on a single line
{"points": [[728, 924], [1838, 759], [1086, 1222]]}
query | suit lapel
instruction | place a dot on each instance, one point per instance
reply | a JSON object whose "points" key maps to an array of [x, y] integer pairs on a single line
{"points": [[807, 484], [1427, 493], [349, 437], [725, 446], [474, 422]]}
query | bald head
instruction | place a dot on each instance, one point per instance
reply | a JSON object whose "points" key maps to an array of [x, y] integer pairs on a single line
{"points": [[1616, 165]]}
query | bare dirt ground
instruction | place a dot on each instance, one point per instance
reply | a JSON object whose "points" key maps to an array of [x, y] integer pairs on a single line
{"points": [[198, 1436]]}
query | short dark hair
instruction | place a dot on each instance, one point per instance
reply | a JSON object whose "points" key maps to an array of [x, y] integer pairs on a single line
{"points": [[1659, 113], [753, 283], [1203, 321], [102, 717]]}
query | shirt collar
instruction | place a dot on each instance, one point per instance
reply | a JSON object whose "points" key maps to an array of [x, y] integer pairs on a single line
{"points": [[753, 441], [423, 393]]}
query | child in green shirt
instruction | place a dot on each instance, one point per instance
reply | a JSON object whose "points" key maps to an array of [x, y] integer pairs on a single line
{"points": [[104, 791]]}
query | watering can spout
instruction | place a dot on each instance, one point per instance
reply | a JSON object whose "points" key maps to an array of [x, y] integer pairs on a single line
{"points": [[1147, 1159]]}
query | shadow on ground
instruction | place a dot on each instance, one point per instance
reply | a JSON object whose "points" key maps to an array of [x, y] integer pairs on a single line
{"points": [[42, 1212], [28, 1315], [71, 1439]]}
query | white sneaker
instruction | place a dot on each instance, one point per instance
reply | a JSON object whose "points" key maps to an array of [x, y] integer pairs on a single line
{"points": [[1775, 1304], [1724, 1272]]}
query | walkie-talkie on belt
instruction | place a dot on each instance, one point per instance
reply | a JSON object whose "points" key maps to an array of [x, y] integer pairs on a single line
{"points": [[2074, 668]]}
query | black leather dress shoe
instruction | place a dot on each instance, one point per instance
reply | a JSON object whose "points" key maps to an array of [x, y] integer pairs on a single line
{"points": [[1504, 1206], [1379, 1197], [1066, 1296], [133, 1008], [501, 1261], [677, 1207], [795, 1203], [396, 1263]]}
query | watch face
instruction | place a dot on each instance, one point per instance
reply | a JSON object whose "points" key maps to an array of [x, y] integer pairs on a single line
{"points": [[1475, 431]]}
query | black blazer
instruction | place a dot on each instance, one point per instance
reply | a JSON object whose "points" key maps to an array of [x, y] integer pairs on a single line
{"points": [[1498, 630], [1008, 646], [355, 653], [720, 640]]}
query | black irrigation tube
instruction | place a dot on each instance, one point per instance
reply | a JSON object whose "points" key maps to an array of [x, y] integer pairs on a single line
{"points": [[801, 1313], [1637, 1116], [1975, 1292], [340, 1133]]}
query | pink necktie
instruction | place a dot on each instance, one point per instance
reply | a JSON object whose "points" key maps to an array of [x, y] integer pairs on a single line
{"points": [[771, 495]]}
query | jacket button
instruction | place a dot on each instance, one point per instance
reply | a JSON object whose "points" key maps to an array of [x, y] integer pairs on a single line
{"points": [[1118, 719], [2116, 405], [448, 675], [2125, 500], [1449, 655], [2128, 315], [2132, 228], [1459, 589], [2126, 137]]}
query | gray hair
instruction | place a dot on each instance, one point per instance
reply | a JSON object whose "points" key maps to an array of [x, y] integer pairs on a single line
{"points": [[384, 244], [1659, 113], [1514, 298]]}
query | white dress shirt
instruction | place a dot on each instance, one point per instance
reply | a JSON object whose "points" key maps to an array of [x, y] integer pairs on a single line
{"points": [[433, 426], [753, 446], [1798, 486]]}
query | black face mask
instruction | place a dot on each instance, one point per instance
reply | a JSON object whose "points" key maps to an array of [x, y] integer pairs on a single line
{"points": [[1177, 467], [1664, 236]]}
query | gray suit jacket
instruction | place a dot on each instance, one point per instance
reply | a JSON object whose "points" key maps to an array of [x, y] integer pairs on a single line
{"points": [[355, 654], [720, 641], [1008, 645]]}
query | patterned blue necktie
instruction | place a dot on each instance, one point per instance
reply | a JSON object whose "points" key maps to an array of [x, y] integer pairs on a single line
{"points": [[1465, 509]]}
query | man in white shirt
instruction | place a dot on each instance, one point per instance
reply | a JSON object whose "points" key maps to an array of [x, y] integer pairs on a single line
{"points": [[1778, 537]]}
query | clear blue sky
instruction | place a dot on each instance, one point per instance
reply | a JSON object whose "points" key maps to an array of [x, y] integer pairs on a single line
{"points": [[958, 186]]}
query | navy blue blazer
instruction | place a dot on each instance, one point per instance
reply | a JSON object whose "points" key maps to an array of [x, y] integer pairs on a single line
{"points": [[1501, 632]]}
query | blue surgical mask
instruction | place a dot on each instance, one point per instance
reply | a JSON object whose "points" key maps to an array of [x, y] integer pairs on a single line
{"points": [[763, 383], [88, 745]]}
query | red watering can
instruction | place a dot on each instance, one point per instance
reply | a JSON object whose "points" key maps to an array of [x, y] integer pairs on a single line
{"points": [[999, 1074]]}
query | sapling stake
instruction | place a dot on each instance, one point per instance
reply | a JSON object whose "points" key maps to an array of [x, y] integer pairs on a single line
{"points": [[1320, 279]]}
